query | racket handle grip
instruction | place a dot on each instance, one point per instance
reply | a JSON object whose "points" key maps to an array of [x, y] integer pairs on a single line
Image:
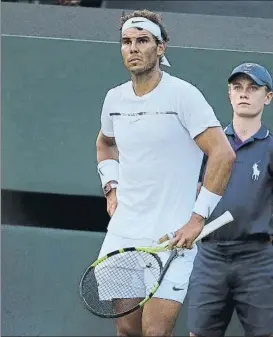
{"points": [[209, 228], [214, 225]]}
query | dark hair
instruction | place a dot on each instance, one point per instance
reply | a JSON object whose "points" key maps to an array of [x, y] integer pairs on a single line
{"points": [[154, 17]]}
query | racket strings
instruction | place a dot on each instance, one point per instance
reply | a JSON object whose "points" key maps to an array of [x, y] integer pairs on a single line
{"points": [[120, 282]]}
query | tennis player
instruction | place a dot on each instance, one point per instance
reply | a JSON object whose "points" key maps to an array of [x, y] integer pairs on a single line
{"points": [[154, 130], [234, 266]]}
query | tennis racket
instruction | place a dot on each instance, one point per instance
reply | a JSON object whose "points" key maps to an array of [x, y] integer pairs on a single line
{"points": [[113, 285]]}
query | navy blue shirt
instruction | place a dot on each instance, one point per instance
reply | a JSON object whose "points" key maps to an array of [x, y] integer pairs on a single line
{"points": [[249, 193]]}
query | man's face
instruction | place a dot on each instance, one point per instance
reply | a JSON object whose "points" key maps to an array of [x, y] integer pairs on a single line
{"points": [[246, 97], [139, 50]]}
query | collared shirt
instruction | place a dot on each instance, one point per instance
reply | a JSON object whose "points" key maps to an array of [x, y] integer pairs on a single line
{"points": [[249, 194]]}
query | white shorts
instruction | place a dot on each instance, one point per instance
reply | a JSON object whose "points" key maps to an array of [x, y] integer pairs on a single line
{"points": [[175, 283]]}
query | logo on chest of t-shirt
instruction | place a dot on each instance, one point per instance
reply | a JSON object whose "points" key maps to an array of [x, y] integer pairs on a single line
{"points": [[255, 171], [131, 121]]}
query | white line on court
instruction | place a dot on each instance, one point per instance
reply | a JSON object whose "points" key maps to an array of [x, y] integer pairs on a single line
{"points": [[116, 42]]}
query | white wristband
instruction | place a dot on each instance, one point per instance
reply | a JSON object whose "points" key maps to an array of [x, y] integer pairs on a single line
{"points": [[206, 202], [108, 171]]}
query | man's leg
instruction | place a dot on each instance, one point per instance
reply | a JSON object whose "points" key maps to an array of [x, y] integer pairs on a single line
{"points": [[160, 313], [159, 317], [210, 299], [130, 325], [253, 291]]}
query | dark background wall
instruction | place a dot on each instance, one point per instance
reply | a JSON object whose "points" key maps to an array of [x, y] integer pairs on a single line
{"points": [[57, 64], [259, 9], [53, 86]]}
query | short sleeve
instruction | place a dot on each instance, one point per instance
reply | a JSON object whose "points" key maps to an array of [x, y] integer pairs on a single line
{"points": [[195, 112], [106, 119], [270, 154]]}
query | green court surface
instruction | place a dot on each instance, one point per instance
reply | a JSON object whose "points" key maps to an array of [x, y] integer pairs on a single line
{"points": [[52, 93], [40, 285]]}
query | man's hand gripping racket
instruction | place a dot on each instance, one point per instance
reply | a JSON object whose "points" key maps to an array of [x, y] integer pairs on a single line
{"points": [[110, 287]]}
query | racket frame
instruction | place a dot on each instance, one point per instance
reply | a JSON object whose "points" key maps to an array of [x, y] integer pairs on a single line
{"points": [[148, 250]]}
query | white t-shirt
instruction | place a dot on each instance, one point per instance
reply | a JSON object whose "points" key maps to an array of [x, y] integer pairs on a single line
{"points": [[159, 161]]}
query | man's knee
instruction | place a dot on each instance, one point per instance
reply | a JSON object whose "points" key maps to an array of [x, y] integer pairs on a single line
{"points": [[157, 330], [128, 328], [130, 325], [125, 331]]}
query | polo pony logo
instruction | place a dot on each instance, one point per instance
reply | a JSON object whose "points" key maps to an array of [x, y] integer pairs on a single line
{"points": [[256, 171]]}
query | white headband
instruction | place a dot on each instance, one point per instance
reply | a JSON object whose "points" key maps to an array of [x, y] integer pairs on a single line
{"points": [[140, 22]]}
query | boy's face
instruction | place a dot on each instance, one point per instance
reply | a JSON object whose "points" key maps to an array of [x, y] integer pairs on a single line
{"points": [[246, 97]]}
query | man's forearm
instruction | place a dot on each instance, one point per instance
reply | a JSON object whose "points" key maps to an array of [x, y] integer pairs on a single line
{"points": [[106, 149], [107, 152], [218, 171]]}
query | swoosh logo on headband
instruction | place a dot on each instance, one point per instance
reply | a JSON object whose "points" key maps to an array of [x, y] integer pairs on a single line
{"points": [[137, 21]]}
